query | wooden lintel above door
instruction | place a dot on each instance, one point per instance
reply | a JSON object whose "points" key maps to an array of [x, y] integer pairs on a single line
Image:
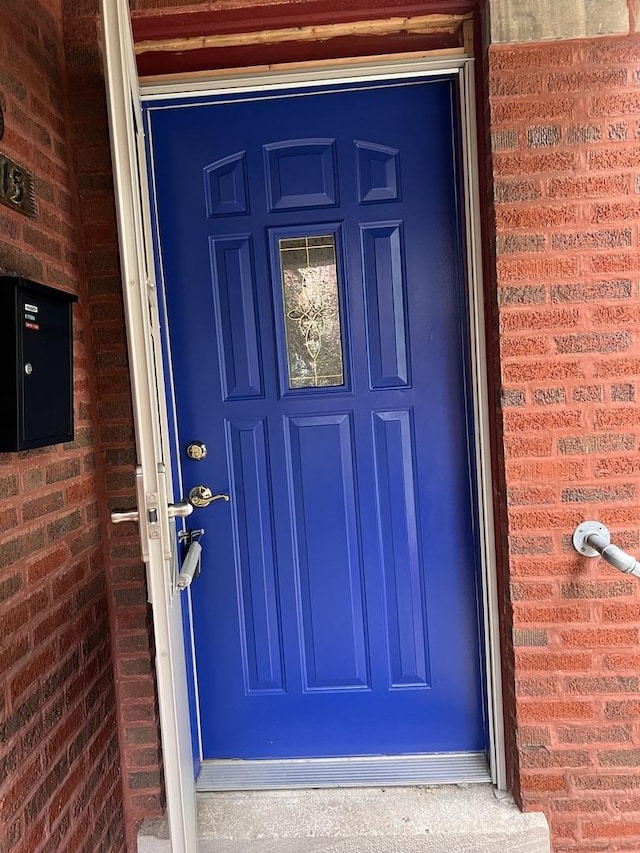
{"points": [[187, 44]]}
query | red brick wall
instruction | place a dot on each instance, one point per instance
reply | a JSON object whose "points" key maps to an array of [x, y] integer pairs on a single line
{"points": [[565, 129], [133, 646], [60, 786]]}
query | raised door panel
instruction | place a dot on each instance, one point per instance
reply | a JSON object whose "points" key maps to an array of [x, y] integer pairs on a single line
{"points": [[384, 286], [256, 567], [327, 549], [398, 530], [225, 186], [234, 288], [301, 173]]}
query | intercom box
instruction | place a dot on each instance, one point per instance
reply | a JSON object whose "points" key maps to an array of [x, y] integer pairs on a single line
{"points": [[36, 351]]}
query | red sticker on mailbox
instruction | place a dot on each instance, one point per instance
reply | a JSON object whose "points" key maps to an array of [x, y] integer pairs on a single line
{"points": [[34, 326]]}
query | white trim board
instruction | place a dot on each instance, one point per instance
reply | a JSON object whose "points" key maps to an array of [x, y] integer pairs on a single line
{"points": [[157, 530], [293, 78]]}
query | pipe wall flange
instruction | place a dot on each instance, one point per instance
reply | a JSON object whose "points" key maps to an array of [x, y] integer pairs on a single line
{"points": [[584, 530]]}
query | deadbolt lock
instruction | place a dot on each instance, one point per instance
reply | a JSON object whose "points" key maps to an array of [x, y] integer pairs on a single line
{"points": [[196, 450], [201, 496]]}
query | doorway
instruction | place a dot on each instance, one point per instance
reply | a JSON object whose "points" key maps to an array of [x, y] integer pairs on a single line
{"points": [[313, 259]]}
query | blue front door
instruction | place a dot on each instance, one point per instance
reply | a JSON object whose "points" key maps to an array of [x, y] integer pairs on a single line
{"points": [[312, 254]]}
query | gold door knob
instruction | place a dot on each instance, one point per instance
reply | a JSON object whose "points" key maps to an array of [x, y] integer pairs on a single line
{"points": [[201, 496]]}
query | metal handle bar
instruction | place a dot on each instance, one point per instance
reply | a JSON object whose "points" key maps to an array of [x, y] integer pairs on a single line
{"points": [[592, 539], [178, 510]]}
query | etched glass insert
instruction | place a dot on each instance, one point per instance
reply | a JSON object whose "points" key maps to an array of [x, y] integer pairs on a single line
{"points": [[311, 311]]}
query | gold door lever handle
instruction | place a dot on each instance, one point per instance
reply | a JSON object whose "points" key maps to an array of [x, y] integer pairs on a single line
{"points": [[201, 496]]}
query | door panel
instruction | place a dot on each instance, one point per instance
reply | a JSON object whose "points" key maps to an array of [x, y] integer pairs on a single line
{"points": [[260, 610], [300, 174], [327, 558], [384, 287], [312, 255], [396, 489], [234, 288]]}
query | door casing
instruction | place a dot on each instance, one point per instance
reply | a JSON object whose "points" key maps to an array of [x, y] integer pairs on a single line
{"points": [[156, 528], [398, 68]]}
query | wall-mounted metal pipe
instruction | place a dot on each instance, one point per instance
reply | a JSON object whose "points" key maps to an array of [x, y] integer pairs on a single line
{"points": [[592, 539]]}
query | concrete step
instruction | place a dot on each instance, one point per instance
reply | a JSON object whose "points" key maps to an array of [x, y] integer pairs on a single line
{"points": [[447, 819]]}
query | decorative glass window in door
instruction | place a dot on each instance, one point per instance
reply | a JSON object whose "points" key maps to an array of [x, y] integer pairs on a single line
{"points": [[311, 311]]}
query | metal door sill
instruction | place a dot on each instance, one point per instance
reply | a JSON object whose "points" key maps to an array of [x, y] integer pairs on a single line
{"points": [[444, 768]]}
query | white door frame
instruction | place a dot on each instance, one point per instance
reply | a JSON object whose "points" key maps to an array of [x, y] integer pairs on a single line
{"points": [[153, 481], [147, 378], [396, 68]]}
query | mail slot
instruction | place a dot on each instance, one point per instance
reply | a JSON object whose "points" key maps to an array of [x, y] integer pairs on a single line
{"points": [[36, 352]]}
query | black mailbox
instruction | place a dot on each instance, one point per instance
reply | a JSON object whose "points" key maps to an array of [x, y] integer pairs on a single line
{"points": [[36, 353]]}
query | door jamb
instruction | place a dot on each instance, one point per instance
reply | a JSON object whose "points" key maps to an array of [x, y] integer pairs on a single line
{"points": [[390, 68], [481, 400], [156, 528]]}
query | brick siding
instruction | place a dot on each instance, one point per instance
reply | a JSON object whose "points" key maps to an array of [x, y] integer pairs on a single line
{"points": [[565, 125], [60, 779], [133, 647]]}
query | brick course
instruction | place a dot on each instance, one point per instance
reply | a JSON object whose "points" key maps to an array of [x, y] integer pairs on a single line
{"points": [[60, 777], [571, 172]]}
